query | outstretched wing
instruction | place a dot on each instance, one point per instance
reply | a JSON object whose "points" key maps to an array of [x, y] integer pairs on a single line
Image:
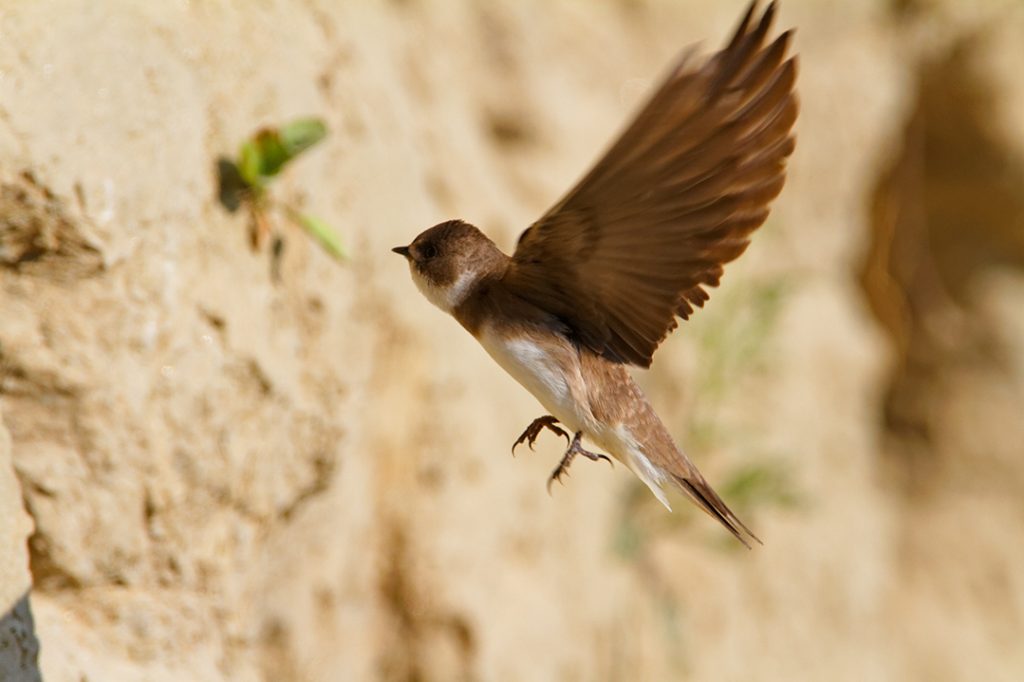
{"points": [[674, 199]]}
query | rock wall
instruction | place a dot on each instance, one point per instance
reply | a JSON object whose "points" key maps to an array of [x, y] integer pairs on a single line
{"points": [[215, 469]]}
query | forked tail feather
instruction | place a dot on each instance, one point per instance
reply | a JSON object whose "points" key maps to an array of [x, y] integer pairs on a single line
{"points": [[698, 490]]}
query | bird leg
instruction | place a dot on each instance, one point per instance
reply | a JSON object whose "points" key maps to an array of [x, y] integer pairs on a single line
{"points": [[529, 436], [574, 449]]}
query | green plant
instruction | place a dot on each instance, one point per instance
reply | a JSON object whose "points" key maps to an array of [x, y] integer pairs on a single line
{"points": [[261, 158]]}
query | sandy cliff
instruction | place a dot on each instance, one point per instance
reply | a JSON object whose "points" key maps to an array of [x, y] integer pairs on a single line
{"points": [[208, 473]]}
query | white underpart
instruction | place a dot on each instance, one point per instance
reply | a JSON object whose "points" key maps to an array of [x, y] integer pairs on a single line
{"points": [[621, 442], [544, 375], [449, 297], [541, 373]]}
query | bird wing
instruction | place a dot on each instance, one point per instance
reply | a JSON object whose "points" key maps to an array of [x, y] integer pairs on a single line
{"points": [[676, 197]]}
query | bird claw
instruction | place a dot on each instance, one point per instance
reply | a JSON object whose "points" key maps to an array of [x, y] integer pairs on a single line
{"points": [[529, 436], [574, 449], [556, 475]]}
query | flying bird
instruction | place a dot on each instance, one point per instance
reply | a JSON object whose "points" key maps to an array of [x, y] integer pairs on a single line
{"points": [[599, 280]]}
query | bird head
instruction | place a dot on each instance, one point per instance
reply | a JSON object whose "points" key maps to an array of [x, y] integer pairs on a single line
{"points": [[448, 260]]}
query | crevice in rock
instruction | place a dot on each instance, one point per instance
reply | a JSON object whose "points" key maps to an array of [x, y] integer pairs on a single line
{"points": [[39, 237], [325, 465], [948, 210], [419, 627]]}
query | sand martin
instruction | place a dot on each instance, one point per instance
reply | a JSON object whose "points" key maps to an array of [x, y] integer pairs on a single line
{"points": [[597, 283]]}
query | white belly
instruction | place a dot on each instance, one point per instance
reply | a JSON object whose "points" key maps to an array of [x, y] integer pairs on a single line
{"points": [[550, 373], [545, 372]]}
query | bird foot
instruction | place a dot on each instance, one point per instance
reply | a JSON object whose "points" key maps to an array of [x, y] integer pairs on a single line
{"points": [[529, 436], [574, 449]]}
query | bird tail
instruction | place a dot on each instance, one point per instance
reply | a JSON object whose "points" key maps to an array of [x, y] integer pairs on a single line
{"points": [[698, 490]]}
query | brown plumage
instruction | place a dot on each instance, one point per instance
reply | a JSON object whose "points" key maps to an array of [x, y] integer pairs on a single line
{"points": [[673, 200], [598, 281]]}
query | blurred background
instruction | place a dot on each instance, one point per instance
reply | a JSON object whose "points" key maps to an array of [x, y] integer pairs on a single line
{"points": [[221, 462]]}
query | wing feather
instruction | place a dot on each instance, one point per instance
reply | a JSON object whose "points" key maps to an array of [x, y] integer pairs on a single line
{"points": [[636, 242]]}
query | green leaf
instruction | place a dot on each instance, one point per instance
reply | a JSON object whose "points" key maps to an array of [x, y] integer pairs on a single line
{"points": [[273, 154], [264, 154], [249, 164], [324, 233], [300, 135]]}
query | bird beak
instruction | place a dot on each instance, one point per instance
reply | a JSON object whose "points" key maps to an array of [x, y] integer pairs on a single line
{"points": [[401, 250]]}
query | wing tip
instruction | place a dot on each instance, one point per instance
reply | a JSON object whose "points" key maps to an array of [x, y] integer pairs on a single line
{"points": [[741, 30]]}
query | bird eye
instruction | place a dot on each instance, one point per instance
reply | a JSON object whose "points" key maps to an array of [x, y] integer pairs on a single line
{"points": [[426, 251]]}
